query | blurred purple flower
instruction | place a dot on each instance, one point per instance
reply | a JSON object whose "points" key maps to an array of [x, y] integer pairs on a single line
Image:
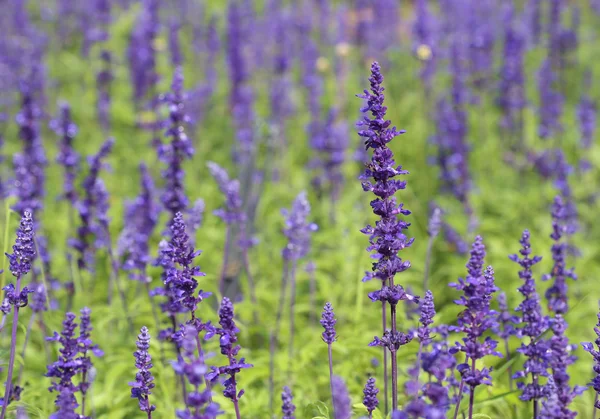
{"points": [[67, 157], [288, 407], [556, 294]]}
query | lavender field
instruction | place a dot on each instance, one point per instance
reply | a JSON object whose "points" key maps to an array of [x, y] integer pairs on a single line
{"points": [[299, 209]]}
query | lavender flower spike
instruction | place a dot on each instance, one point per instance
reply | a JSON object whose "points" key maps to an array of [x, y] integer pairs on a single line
{"points": [[370, 396], [534, 324], [387, 238], [557, 406], [475, 320], [67, 156], [86, 347], [20, 264], [177, 150], [191, 366], [557, 295], [595, 353], [143, 378], [342, 404], [328, 322], [228, 342], [66, 367], [288, 407]]}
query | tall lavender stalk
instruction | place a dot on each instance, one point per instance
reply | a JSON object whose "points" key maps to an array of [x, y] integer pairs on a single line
{"points": [[234, 216], [177, 150], [433, 229], [20, 264], [557, 293], [534, 324], [144, 381], [86, 348], [387, 238], [329, 336], [595, 353], [298, 231], [229, 347], [474, 321]]}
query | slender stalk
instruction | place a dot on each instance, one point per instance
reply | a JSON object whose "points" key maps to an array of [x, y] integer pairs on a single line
{"points": [[394, 356], [427, 264], [115, 278], [179, 358], [250, 284], [313, 298], [331, 376], [237, 409], [536, 401], [419, 355], [281, 305], [226, 247], [472, 393], [272, 373], [7, 211], [459, 398], [83, 393], [471, 402], [385, 361], [156, 321], [507, 350], [292, 314], [27, 334], [13, 350]]}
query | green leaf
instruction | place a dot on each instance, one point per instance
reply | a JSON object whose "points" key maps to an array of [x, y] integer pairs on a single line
{"points": [[316, 410], [481, 416]]}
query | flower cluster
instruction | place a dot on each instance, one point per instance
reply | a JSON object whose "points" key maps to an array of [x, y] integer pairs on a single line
{"points": [[556, 294], [229, 347], [144, 381], [198, 402], [533, 325], [177, 150], [477, 317], [297, 229]]}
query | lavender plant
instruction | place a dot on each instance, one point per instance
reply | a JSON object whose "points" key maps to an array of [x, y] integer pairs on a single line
{"points": [[387, 238], [20, 265], [229, 347], [144, 380], [477, 317], [329, 336]]}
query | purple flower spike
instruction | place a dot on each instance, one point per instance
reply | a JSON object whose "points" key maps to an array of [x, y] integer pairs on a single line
{"points": [[426, 318], [551, 101], [144, 381], [233, 211], [66, 404], [298, 229], [475, 320], [177, 150], [287, 407], [342, 404], [534, 324], [595, 353], [24, 248], [557, 294], [67, 157], [68, 364], [370, 396], [328, 322], [387, 238], [198, 402], [31, 162], [562, 394], [228, 342], [86, 348]]}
